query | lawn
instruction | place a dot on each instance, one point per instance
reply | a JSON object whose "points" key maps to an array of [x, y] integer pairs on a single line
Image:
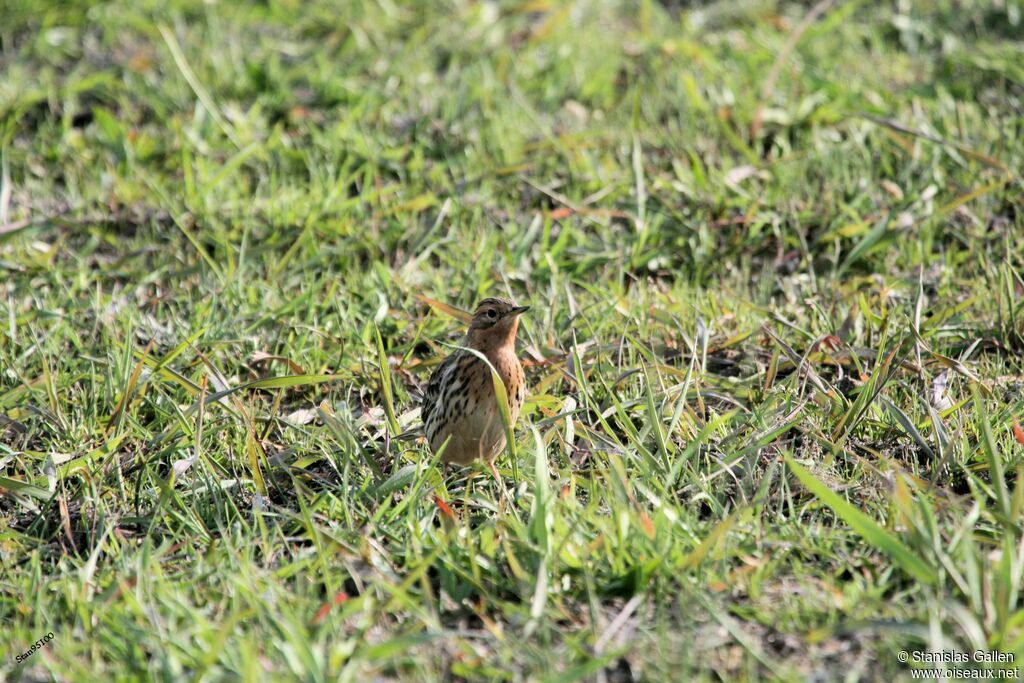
{"points": [[775, 258]]}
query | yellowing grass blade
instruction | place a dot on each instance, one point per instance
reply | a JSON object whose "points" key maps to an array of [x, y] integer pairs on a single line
{"points": [[716, 535], [255, 453]]}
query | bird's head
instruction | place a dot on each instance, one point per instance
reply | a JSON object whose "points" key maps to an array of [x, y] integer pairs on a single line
{"points": [[494, 323]]}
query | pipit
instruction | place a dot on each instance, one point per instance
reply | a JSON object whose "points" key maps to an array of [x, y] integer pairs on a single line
{"points": [[460, 408]]}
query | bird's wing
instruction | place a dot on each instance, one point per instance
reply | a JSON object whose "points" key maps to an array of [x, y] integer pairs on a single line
{"points": [[437, 380]]}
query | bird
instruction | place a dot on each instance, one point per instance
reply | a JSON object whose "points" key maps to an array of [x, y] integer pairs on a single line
{"points": [[461, 417]]}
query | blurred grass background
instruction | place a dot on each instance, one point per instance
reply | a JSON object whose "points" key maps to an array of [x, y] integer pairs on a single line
{"points": [[774, 254]]}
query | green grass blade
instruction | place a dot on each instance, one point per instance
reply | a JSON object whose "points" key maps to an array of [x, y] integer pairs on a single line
{"points": [[385, 384], [865, 527]]}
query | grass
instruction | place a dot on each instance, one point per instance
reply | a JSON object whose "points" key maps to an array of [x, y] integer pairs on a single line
{"points": [[774, 351]]}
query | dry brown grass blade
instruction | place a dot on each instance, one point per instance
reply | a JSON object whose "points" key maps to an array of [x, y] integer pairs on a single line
{"points": [[65, 521], [457, 313]]}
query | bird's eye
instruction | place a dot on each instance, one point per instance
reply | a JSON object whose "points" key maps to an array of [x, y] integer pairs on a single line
{"points": [[492, 314]]}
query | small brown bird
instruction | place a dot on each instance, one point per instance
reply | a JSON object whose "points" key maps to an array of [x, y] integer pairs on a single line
{"points": [[460, 402]]}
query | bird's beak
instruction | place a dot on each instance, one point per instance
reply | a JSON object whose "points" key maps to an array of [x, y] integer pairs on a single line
{"points": [[519, 310]]}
